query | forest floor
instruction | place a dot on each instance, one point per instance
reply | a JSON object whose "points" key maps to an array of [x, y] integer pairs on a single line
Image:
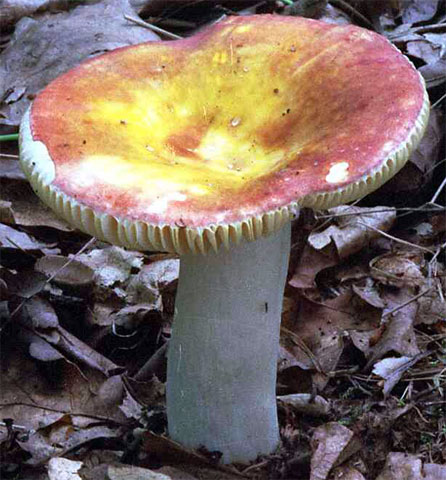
{"points": [[85, 325]]}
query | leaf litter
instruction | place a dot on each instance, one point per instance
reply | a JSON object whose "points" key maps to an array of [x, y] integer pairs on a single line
{"points": [[363, 339]]}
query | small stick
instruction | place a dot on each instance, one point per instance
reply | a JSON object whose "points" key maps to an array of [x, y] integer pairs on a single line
{"points": [[159, 30], [399, 307], [437, 193], [352, 11], [429, 28], [152, 365], [398, 240], [438, 101]]}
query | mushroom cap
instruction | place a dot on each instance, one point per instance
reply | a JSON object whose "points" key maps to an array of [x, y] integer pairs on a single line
{"points": [[189, 145]]}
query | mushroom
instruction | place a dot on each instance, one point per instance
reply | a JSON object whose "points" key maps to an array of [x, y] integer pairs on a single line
{"points": [[208, 147]]}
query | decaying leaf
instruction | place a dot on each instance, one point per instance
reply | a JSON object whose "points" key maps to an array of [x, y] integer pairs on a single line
{"points": [[124, 472], [147, 286], [415, 11], [351, 232], [13, 238], [112, 265], [332, 443], [392, 369], [399, 269], [321, 326], [304, 403], [27, 209], [60, 468], [60, 411], [409, 467], [66, 272], [347, 473], [431, 308]]}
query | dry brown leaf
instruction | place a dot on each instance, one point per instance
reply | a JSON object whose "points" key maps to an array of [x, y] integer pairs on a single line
{"points": [[398, 334], [409, 467], [127, 472], [351, 233], [61, 409], [331, 443], [27, 209], [369, 293], [66, 272], [321, 327], [306, 404], [60, 468], [12, 238], [347, 473], [392, 369], [112, 265], [416, 11], [147, 286], [310, 264], [399, 269]]}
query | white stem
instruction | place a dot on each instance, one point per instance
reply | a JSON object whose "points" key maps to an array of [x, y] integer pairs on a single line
{"points": [[221, 374]]}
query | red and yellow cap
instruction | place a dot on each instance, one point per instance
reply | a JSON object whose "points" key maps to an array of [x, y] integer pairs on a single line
{"points": [[189, 145]]}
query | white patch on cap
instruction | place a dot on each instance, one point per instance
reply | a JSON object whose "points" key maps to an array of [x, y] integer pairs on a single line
{"points": [[338, 173], [160, 205]]}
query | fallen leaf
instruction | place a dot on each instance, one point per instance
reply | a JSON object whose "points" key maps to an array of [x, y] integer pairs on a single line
{"points": [[67, 273], [347, 473], [398, 335], [351, 232], [392, 369], [369, 293], [306, 404], [321, 326], [125, 472], [63, 469], [399, 269], [431, 307], [27, 209], [401, 466], [148, 285], [310, 264], [434, 73], [112, 265], [59, 411], [416, 11], [13, 238], [331, 443], [433, 471]]}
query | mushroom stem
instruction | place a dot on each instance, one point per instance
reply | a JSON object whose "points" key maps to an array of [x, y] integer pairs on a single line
{"points": [[221, 374]]}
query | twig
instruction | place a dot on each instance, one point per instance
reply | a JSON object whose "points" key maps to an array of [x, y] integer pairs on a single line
{"points": [[48, 280], [409, 210], [152, 365], [398, 240], [399, 307], [434, 167], [303, 346], [70, 260], [437, 193], [428, 28], [352, 11], [159, 30], [106, 419], [7, 155], [438, 101]]}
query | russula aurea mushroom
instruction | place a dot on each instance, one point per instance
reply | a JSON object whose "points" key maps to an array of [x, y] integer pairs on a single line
{"points": [[207, 147]]}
